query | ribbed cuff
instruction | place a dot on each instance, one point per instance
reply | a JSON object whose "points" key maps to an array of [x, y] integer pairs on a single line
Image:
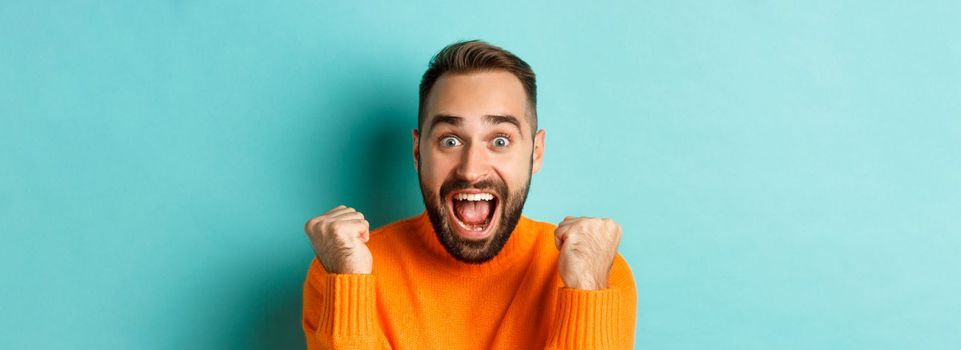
{"points": [[349, 308], [585, 319]]}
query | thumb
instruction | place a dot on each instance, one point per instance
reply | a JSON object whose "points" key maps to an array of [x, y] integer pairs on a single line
{"points": [[365, 235], [559, 236]]}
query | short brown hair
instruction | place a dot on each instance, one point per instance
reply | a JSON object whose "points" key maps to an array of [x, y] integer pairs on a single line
{"points": [[475, 55]]}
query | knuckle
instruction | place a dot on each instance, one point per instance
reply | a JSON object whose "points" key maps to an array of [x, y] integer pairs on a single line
{"points": [[313, 225], [324, 226]]}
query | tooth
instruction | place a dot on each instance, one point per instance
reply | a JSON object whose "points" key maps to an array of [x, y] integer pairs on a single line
{"points": [[474, 197]]}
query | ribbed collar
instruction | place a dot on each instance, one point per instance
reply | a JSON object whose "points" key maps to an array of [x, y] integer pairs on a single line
{"points": [[519, 245]]}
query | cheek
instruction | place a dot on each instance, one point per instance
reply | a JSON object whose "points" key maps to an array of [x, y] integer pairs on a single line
{"points": [[515, 172], [435, 169]]}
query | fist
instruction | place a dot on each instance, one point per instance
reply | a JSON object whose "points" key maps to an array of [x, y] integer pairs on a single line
{"points": [[587, 249], [339, 238]]}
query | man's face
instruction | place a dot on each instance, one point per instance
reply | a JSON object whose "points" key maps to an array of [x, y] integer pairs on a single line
{"points": [[475, 159]]}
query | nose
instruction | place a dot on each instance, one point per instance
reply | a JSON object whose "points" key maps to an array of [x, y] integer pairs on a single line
{"points": [[473, 164]]}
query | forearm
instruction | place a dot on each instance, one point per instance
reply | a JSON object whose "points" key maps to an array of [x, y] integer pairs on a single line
{"points": [[343, 314], [589, 320], [596, 319]]}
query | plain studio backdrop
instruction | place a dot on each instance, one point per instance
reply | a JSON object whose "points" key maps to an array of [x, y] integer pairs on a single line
{"points": [[787, 173]]}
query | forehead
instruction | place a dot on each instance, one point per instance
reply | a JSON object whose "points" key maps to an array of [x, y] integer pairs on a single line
{"points": [[474, 95]]}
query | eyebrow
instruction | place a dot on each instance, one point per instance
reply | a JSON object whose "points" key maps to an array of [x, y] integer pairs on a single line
{"points": [[494, 119], [490, 119], [445, 119]]}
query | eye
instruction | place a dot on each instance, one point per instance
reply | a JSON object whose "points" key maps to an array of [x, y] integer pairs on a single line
{"points": [[450, 141], [501, 142]]}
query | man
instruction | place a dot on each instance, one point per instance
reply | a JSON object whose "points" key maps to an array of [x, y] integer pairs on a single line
{"points": [[470, 272]]}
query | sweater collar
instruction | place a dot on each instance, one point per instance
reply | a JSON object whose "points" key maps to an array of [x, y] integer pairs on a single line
{"points": [[519, 245]]}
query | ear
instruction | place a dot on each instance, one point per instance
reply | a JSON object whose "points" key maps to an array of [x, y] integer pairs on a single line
{"points": [[416, 135], [538, 154]]}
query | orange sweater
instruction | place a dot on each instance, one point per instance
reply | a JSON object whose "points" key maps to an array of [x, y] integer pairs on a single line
{"points": [[419, 297]]}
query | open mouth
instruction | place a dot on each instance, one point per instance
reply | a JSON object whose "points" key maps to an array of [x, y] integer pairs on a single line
{"points": [[474, 213]]}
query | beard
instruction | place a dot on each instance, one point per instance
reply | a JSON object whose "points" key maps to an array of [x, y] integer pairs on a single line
{"points": [[468, 250]]}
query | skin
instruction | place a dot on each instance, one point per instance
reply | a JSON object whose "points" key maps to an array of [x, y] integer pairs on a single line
{"points": [[587, 245], [477, 131]]}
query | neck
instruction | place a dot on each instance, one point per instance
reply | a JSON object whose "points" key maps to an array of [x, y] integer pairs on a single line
{"points": [[518, 245]]}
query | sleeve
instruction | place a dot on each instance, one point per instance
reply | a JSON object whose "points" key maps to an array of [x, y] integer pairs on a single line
{"points": [[596, 319], [340, 311]]}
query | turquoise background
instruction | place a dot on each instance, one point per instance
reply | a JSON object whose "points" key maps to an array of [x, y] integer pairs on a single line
{"points": [[786, 173]]}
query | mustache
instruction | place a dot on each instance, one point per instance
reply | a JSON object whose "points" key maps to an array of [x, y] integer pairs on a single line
{"points": [[457, 184]]}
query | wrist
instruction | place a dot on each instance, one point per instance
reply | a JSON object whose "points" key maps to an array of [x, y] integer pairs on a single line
{"points": [[351, 271], [346, 269], [588, 284]]}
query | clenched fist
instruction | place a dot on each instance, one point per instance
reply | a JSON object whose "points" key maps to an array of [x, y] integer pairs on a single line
{"points": [[588, 247], [339, 238]]}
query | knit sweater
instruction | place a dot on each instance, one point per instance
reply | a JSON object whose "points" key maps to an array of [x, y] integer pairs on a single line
{"points": [[419, 297]]}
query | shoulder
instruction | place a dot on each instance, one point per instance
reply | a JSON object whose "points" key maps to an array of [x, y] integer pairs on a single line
{"points": [[399, 227], [390, 236], [621, 274], [537, 226], [540, 234]]}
